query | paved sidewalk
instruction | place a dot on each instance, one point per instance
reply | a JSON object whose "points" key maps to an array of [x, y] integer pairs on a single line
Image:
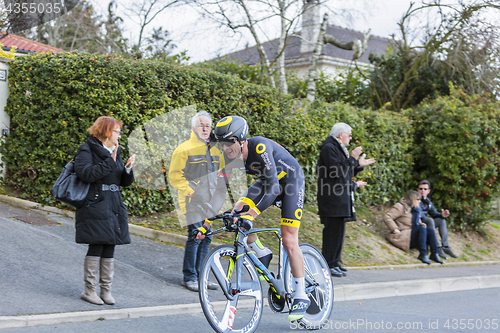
{"points": [[41, 273]]}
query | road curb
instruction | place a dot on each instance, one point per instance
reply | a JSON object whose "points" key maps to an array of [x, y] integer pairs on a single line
{"points": [[342, 293], [360, 291], [87, 316], [35, 205]]}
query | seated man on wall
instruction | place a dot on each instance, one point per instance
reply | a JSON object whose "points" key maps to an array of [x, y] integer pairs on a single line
{"points": [[433, 218]]}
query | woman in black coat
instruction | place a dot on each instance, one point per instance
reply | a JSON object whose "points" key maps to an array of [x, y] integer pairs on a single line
{"points": [[335, 191], [102, 222]]}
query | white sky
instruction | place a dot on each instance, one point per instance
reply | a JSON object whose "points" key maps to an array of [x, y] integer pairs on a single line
{"points": [[204, 40]]}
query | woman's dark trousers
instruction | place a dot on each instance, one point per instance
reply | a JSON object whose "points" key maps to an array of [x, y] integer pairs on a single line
{"points": [[423, 236]]}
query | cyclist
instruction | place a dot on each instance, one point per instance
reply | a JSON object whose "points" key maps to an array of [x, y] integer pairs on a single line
{"points": [[280, 178]]}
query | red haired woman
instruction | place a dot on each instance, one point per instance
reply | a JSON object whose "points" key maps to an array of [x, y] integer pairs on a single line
{"points": [[102, 222]]}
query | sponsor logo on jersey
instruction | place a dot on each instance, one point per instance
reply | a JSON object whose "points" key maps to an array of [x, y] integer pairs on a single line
{"points": [[267, 161], [300, 200], [260, 148], [289, 167]]}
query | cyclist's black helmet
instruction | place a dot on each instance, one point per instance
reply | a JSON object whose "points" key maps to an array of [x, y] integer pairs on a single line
{"points": [[231, 126]]}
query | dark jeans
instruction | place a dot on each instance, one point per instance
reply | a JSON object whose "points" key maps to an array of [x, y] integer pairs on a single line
{"points": [[440, 224], [333, 239], [423, 236], [195, 252]]}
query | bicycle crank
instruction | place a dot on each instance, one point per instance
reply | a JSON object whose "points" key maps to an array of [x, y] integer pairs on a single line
{"points": [[276, 304]]}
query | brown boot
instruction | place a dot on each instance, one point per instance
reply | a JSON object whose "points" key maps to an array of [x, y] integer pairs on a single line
{"points": [[90, 271], [106, 279]]}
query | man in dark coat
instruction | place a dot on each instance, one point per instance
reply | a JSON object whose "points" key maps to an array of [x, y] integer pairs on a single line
{"points": [[336, 191], [434, 219]]}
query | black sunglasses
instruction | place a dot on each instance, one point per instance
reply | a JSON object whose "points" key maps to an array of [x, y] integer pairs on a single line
{"points": [[423, 188], [227, 142]]}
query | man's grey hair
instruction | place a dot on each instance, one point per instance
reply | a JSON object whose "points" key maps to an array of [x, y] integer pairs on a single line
{"points": [[340, 128], [198, 115]]}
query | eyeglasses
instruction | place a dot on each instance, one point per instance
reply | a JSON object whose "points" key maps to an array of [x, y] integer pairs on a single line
{"points": [[350, 135], [423, 189], [204, 126], [227, 142]]}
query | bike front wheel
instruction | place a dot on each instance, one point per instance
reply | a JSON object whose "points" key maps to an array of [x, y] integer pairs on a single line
{"points": [[226, 310], [319, 287]]}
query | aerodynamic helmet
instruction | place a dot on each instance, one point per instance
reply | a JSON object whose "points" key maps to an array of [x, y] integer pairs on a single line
{"points": [[231, 126]]}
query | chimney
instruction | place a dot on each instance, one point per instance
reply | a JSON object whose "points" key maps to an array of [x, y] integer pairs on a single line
{"points": [[310, 25]]}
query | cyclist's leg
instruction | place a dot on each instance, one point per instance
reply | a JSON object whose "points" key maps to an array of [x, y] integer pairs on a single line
{"points": [[290, 236], [291, 214]]}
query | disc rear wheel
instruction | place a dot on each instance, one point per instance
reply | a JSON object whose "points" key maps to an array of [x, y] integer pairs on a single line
{"points": [[319, 287]]}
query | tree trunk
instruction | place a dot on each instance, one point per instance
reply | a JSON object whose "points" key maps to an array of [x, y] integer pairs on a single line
{"points": [[262, 52], [313, 67], [282, 86]]}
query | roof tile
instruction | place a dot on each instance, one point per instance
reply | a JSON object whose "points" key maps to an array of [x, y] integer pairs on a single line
{"points": [[25, 44]]}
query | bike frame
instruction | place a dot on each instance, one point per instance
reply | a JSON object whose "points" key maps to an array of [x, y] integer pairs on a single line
{"points": [[240, 243]]}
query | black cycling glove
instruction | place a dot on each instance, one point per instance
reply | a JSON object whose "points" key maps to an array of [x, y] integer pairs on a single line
{"points": [[246, 222]]}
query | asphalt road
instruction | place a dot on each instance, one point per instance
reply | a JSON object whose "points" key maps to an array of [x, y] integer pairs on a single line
{"points": [[473, 310], [41, 273]]}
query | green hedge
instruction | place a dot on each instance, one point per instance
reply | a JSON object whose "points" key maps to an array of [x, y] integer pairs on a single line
{"points": [[54, 98], [384, 135], [457, 143]]}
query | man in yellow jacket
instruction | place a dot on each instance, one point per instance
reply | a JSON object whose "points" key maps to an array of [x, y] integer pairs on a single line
{"points": [[193, 173]]}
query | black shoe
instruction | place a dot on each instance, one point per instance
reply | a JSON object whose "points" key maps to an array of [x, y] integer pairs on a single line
{"points": [[423, 258], [339, 269], [435, 257], [343, 269], [334, 271], [449, 252], [441, 253]]}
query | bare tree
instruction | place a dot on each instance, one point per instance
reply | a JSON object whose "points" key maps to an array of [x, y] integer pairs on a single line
{"points": [[256, 16], [143, 12], [443, 43], [356, 45]]}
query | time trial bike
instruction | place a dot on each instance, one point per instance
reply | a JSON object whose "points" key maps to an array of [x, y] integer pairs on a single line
{"points": [[237, 306]]}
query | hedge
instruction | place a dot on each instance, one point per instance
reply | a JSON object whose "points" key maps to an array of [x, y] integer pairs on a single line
{"points": [[54, 98], [457, 143]]}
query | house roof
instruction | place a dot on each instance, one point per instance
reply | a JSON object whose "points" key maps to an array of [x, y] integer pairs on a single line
{"points": [[376, 45], [24, 44]]}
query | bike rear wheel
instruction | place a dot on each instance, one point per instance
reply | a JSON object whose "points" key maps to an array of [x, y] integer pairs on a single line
{"points": [[319, 287], [243, 312]]}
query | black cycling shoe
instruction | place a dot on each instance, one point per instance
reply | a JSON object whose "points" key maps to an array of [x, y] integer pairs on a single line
{"points": [[299, 308]]}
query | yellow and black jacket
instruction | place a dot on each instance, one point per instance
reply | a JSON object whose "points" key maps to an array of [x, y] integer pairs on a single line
{"points": [[193, 172]]}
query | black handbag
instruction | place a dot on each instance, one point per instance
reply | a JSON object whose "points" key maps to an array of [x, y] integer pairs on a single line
{"points": [[69, 189]]}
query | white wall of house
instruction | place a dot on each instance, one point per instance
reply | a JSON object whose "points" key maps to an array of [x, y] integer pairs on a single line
{"points": [[328, 65], [4, 94]]}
